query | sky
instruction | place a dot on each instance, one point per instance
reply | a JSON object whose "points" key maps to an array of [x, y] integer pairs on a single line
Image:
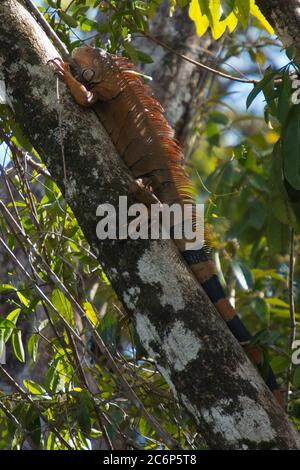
{"points": [[274, 56]]}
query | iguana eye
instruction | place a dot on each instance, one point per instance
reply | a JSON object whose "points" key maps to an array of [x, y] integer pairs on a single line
{"points": [[88, 75]]}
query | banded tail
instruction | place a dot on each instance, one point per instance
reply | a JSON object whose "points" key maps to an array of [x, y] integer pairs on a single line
{"points": [[205, 272]]}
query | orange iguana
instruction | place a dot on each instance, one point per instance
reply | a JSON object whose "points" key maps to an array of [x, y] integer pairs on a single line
{"points": [[145, 141]]}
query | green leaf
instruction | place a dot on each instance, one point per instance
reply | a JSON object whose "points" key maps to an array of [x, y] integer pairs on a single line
{"points": [[6, 287], [276, 232], [63, 305], [23, 299], [182, 3], [68, 19], [291, 147], [284, 97], [32, 423], [131, 52], [213, 11], [90, 313], [290, 52], [207, 13], [32, 347], [33, 387], [12, 317], [201, 21], [255, 11], [296, 377], [279, 204], [17, 344], [242, 274], [103, 27], [95, 433], [219, 118], [144, 427], [265, 273], [108, 328], [257, 216], [20, 411], [261, 309], [274, 302], [279, 364], [143, 57], [269, 74], [265, 337], [172, 7], [213, 133], [243, 12], [88, 25], [7, 326], [83, 412], [58, 375], [51, 444]]}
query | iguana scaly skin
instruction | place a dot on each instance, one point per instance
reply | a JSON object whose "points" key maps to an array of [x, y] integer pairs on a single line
{"points": [[145, 141]]}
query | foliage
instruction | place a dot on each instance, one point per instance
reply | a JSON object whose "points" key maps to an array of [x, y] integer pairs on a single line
{"points": [[220, 15], [71, 397]]}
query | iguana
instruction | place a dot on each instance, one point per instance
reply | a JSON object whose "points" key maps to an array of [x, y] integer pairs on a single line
{"points": [[145, 141]]}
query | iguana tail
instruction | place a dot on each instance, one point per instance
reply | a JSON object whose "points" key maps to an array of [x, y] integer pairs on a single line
{"points": [[205, 271]]}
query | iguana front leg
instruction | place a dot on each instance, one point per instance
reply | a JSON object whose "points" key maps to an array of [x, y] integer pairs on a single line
{"points": [[79, 92]]}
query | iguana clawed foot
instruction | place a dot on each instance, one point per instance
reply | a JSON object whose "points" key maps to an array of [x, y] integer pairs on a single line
{"points": [[62, 69], [79, 92], [141, 189]]}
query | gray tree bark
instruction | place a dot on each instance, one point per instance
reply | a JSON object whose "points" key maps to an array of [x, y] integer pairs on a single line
{"points": [[177, 84], [204, 366], [284, 16]]}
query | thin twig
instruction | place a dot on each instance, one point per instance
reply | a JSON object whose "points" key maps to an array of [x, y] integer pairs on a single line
{"points": [[164, 435], [218, 73], [293, 323], [47, 29], [38, 167], [37, 288], [16, 155], [18, 425], [85, 381], [62, 149], [27, 398]]}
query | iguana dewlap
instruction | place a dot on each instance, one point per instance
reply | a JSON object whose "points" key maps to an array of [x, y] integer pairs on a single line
{"points": [[145, 141]]}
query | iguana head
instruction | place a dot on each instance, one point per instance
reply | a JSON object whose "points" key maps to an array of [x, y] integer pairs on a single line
{"points": [[95, 70], [89, 64]]}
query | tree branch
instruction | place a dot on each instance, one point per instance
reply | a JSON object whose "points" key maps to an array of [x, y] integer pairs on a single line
{"points": [[204, 366]]}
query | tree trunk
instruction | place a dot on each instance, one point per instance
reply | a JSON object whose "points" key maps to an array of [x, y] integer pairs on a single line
{"points": [[284, 16], [203, 364], [177, 84]]}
